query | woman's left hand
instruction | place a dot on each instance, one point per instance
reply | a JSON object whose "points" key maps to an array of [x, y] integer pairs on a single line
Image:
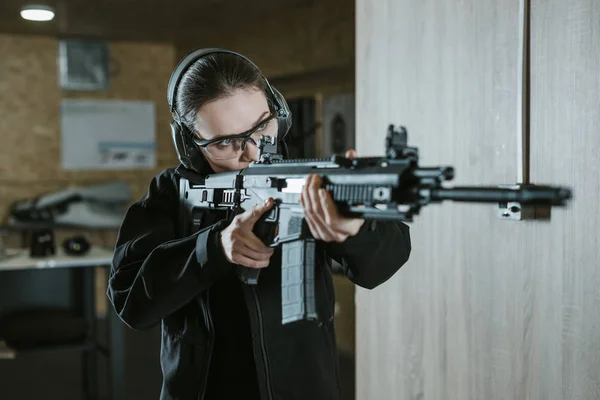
{"points": [[321, 214]]}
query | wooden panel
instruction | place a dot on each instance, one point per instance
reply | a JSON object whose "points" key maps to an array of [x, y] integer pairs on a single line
{"points": [[456, 321], [565, 140], [485, 309]]}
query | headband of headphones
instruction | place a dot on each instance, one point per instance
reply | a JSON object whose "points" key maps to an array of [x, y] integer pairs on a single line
{"points": [[194, 56]]}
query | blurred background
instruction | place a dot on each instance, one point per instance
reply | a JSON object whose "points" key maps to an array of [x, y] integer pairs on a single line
{"points": [[505, 91], [81, 81]]}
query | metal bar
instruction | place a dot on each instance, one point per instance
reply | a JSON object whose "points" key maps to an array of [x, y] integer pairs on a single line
{"points": [[523, 93]]}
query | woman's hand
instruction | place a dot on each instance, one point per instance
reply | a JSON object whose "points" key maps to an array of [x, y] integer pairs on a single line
{"points": [[321, 214], [241, 245]]}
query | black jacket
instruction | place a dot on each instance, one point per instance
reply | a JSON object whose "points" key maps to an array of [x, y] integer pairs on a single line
{"points": [[163, 275]]}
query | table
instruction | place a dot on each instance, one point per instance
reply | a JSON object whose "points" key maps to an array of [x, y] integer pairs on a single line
{"points": [[19, 259]]}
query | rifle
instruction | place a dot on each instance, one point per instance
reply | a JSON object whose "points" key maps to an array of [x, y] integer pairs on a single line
{"points": [[393, 187]]}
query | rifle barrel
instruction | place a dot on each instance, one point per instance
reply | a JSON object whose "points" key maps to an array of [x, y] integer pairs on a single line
{"points": [[525, 195]]}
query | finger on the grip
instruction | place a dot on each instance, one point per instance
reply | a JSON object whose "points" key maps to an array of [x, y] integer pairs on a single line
{"points": [[250, 263], [326, 232], [315, 202], [316, 229], [253, 242], [330, 232], [256, 256], [316, 182], [319, 212], [324, 224], [329, 210], [312, 196], [310, 209], [303, 199], [306, 201]]}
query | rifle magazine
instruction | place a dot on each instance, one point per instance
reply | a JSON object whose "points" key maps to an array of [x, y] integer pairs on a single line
{"points": [[297, 281]]}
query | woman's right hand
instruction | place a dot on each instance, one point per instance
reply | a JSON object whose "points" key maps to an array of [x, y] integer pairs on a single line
{"points": [[240, 245]]}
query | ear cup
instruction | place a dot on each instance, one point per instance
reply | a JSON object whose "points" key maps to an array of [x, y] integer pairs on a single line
{"points": [[285, 115], [188, 153], [179, 145]]}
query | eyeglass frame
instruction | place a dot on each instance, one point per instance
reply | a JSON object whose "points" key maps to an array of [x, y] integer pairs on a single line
{"points": [[246, 135]]}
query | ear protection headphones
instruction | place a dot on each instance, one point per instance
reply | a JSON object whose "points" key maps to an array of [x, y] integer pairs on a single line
{"points": [[187, 151]]}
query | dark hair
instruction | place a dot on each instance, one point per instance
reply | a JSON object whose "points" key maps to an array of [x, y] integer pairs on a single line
{"points": [[211, 78]]}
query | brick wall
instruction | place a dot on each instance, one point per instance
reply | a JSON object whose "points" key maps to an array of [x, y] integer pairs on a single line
{"points": [[30, 154]]}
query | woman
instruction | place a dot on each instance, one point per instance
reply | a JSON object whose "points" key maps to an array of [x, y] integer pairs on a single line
{"points": [[222, 339]]}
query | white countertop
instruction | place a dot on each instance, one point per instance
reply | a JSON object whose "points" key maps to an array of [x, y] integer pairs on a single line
{"points": [[19, 259]]}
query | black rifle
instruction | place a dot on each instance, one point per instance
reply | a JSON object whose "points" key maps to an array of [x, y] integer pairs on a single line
{"points": [[393, 187]]}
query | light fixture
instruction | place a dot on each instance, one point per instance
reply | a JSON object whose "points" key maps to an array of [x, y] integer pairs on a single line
{"points": [[37, 13]]}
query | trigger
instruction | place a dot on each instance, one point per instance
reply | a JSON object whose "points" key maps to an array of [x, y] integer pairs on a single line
{"points": [[272, 215]]}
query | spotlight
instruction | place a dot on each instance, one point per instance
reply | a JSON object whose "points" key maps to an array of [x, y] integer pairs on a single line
{"points": [[37, 13]]}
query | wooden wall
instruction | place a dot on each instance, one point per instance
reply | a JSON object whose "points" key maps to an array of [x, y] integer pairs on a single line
{"points": [[565, 97], [485, 309]]}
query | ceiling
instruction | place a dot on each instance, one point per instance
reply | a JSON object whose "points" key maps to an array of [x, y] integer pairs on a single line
{"points": [[147, 20]]}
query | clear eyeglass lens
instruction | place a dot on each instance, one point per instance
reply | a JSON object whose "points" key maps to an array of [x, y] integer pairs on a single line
{"points": [[231, 148]]}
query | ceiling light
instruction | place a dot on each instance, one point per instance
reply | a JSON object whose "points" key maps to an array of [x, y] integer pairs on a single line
{"points": [[37, 13]]}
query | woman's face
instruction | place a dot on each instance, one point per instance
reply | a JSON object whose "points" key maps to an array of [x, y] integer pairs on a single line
{"points": [[239, 112]]}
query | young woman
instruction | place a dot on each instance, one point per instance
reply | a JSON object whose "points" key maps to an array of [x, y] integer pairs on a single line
{"points": [[222, 339]]}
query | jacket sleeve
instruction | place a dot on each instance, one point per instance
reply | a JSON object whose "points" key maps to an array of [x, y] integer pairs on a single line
{"points": [[154, 272], [374, 254]]}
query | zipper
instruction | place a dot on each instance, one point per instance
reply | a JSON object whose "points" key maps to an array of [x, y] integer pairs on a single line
{"points": [[334, 353], [262, 344], [211, 341]]}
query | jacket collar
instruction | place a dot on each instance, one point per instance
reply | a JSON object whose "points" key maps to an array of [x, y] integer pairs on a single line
{"points": [[194, 176]]}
